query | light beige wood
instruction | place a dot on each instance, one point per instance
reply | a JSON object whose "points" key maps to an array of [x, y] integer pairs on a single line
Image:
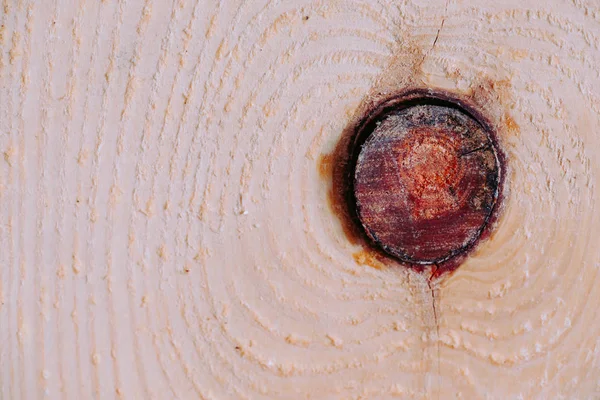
{"points": [[165, 230]]}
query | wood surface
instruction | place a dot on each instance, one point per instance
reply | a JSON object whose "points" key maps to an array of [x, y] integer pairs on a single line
{"points": [[167, 229]]}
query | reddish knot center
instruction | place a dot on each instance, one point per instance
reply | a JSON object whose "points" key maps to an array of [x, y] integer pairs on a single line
{"points": [[430, 170]]}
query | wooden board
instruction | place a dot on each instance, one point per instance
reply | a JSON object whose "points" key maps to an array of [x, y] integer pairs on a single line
{"points": [[167, 229]]}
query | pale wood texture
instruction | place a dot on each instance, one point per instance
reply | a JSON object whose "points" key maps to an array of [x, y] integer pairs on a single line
{"points": [[165, 231]]}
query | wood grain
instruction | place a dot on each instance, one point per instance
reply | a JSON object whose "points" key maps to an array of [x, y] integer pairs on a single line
{"points": [[165, 228]]}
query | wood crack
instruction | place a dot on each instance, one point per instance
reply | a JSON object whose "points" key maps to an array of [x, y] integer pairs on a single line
{"points": [[437, 35], [431, 286], [480, 148]]}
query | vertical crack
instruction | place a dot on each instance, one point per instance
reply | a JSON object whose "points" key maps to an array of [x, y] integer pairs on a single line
{"points": [[437, 35], [437, 325]]}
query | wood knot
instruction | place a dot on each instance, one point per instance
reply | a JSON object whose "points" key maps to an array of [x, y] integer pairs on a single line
{"points": [[426, 180]]}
